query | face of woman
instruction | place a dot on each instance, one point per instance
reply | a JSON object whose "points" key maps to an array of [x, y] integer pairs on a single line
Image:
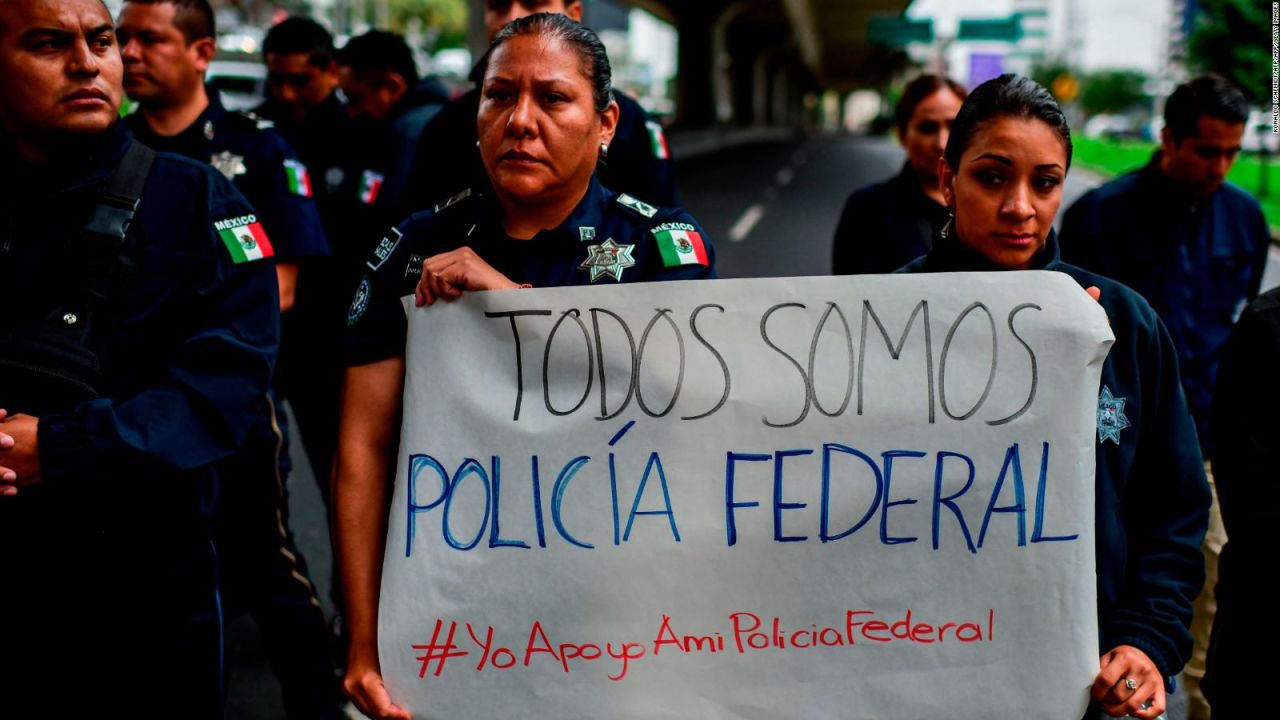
{"points": [[540, 133], [928, 129], [1007, 190]]}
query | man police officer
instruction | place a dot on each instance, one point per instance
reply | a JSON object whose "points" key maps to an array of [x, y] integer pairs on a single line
{"points": [[134, 358], [166, 46]]}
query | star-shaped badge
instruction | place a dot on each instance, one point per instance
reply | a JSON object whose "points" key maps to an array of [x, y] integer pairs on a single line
{"points": [[1111, 419], [608, 258], [228, 164]]}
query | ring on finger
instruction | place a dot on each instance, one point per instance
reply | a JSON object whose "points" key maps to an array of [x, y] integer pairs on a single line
{"points": [[1130, 683]]}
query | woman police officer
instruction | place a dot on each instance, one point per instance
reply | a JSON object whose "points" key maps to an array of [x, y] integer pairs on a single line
{"points": [[1002, 177], [546, 118], [890, 223]]}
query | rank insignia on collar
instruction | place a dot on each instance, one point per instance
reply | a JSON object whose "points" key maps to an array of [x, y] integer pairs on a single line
{"points": [[586, 234], [208, 129], [453, 200], [608, 258], [228, 164], [1111, 418]]}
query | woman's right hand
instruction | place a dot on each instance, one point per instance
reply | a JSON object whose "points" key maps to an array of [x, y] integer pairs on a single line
{"points": [[446, 275], [363, 684]]}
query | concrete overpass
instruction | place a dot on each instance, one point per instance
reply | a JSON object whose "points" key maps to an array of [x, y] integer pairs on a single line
{"points": [[751, 62]]}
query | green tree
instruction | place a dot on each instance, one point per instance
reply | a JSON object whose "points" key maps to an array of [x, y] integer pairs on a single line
{"points": [[446, 19], [1232, 38], [1113, 91]]}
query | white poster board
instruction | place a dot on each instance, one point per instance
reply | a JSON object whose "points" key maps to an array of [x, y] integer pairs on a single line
{"points": [[790, 498]]}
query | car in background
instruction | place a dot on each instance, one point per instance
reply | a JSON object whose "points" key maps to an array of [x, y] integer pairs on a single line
{"points": [[241, 81]]}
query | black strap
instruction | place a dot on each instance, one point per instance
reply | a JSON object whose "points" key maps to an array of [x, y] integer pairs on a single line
{"points": [[119, 197]]}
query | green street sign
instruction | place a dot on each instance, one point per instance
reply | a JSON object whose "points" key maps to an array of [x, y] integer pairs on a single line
{"points": [[898, 31], [999, 29]]}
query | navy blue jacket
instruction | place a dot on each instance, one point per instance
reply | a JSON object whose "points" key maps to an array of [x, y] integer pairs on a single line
{"points": [[192, 351], [885, 226], [1245, 460], [1197, 263], [639, 162], [1152, 499], [262, 166], [609, 238]]}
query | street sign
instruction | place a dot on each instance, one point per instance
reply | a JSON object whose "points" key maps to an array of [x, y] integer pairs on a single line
{"points": [[898, 31], [998, 29]]}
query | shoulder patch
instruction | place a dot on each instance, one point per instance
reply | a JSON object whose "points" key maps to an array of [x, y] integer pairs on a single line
{"points": [[370, 186], [657, 140], [680, 244], [296, 175], [638, 206], [244, 238], [360, 302], [453, 200], [385, 248]]}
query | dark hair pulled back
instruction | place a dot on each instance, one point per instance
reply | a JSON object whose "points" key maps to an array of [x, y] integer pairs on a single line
{"points": [[554, 26], [917, 91], [1008, 96]]}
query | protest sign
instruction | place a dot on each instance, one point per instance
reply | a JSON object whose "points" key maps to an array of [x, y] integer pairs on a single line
{"points": [[790, 498]]}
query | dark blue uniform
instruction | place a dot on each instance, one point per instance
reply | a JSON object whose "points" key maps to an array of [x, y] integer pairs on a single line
{"points": [[609, 238], [1197, 263], [262, 569], [885, 226], [111, 572], [639, 162], [1151, 495]]}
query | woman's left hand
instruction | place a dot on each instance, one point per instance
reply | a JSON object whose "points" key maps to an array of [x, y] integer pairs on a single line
{"points": [[447, 275], [1127, 681]]}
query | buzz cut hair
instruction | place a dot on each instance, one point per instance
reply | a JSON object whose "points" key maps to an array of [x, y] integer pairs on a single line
{"points": [[193, 18]]}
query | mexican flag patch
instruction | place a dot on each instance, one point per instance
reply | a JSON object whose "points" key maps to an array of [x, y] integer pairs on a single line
{"points": [[296, 174], [370, 186], [244, 238], [680, 244], [658, 141]]}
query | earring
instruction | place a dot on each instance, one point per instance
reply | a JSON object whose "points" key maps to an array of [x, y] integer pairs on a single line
{"points": [[477, 143], [604, 151], [948, 225]]}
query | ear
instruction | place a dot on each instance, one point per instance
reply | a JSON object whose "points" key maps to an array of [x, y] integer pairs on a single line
{"points": [[947, 179], [205, 49], [573, 8], [395, 85], [1167, 142], [609, 122]]}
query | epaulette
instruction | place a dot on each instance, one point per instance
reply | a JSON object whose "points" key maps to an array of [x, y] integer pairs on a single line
{"points": [[636, 206], [453, 201], [257, 121]]}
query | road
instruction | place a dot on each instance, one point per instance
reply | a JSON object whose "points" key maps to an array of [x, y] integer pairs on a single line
{"points": [[771, 209]]}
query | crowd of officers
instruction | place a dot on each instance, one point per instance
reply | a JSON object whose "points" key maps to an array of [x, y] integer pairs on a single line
{"points": [[189, 268]]}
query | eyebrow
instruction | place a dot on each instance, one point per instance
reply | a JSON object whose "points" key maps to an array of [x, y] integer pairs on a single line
{"points": [[52, 32], [1006, 161]]}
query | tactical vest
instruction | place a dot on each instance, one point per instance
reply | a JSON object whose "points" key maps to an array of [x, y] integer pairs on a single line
{"points": [[48, 365]]}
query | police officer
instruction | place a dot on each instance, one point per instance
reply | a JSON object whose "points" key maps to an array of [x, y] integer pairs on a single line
{"points": [[135, 353], [548, 221], [385, 93], [639, 161], [166, 46], [304, 103]]}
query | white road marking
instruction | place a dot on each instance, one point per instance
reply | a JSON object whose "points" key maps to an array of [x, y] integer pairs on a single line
{"points": [[743, 227]]}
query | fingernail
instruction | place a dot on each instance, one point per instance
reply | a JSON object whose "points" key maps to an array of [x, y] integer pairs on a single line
{"points": [[10, 476]]}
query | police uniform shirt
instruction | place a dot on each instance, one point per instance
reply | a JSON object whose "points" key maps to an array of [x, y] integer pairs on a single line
{"points": [[260, 163], [609, 238], [639, 161]]}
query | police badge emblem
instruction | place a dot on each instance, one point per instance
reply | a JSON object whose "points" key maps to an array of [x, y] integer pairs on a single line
{"points": [[608, 258], [360, 303], [230, 165], [1111, 418]]}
